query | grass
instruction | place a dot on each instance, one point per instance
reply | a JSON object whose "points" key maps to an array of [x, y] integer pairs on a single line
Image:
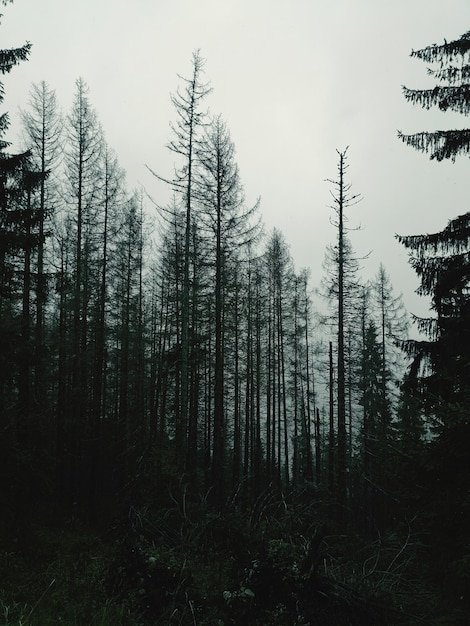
{"points": [[56, 577], [194, 567]]}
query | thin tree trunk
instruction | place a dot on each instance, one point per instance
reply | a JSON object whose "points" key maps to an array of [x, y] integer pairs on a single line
{"points": [[331, 437], [342, 447]]}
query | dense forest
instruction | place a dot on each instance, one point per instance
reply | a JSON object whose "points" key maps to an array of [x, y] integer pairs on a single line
{"points": [[193, 431]]}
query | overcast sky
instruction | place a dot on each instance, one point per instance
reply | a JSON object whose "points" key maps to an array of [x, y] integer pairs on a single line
{"points": [[294, 80]]}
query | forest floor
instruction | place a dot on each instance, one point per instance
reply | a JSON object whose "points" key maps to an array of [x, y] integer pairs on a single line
{"points": [[190, 565]]}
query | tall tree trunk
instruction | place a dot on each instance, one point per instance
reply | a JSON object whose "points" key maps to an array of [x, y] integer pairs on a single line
{"points": [[341, 382], [97, 402], [218, 449], [284, 394], [309, 469], [331, 435], [318, 448]]}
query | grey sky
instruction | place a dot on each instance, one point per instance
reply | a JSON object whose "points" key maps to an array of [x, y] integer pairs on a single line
{"points": [[293, 79]]}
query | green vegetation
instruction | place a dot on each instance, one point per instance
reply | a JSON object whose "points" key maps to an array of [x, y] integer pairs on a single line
{"points": [[187, 564], [183, 440]]}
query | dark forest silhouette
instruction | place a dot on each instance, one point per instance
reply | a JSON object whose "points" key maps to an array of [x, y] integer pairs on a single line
{"points": [[190, 433]]}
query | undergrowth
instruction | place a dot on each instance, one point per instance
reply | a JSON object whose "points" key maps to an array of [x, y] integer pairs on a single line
{"points": [[58, 576], [276, 564]]}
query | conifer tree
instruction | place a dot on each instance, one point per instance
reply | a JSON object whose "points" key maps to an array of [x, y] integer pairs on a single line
{"points": [[442, 259], [186, 134], [13, 169], [303, 392], [391, 322], [229, 227], [452, 71], [82, 160], [280, 280], [342, 289], [42, 123], [438, 381]]}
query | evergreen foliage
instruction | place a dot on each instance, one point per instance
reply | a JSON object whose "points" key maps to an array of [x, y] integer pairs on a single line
{"points": [[437, 386], [180, 443], [441, 259], [453, 69]]}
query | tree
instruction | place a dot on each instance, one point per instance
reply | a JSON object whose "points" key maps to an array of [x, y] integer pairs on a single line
{"points": [[128, 323], [280, 281], [378, 372], [442, 259], [303, 392], [42, 123], [438, 381], [453, 72], [13, 240], [190, 120], [391, 321], [229, 224], [166, 313], [109, 202], [27, 221], [82, 160], [10, 165], [374, 410], [342, 286]]}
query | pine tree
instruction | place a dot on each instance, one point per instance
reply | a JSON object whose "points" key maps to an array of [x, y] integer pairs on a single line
{"points": [[303, 393], [391, 321], [186, 134], [109, 202], [14, 239], [82, 160], [440, 372], [342, 289], [453, 93], [442, 259], [228, 227], [42, 123], [280, 282]]}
